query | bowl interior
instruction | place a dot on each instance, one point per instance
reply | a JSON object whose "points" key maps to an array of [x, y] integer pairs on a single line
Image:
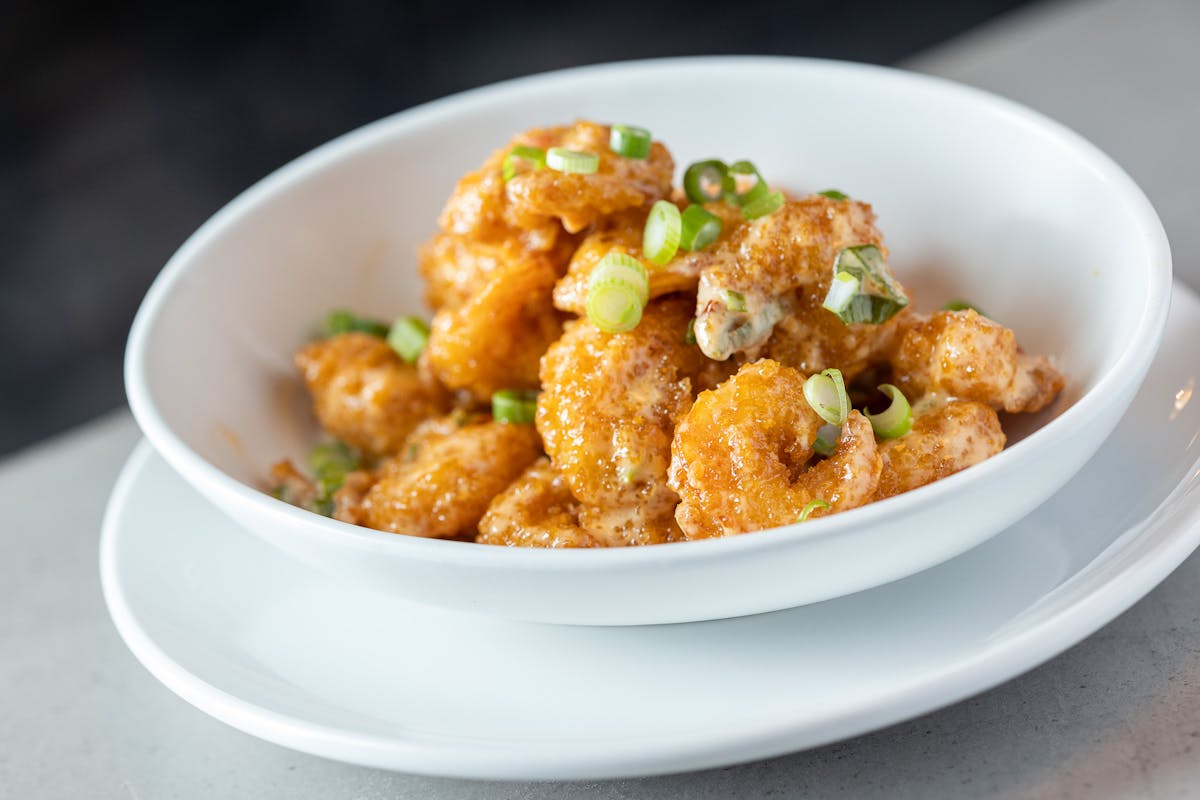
{"points": [[976, 198]]}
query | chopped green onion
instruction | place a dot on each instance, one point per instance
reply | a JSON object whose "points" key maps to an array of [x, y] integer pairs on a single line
{"points": [[330, 462], [755, 193], [812, 506], [734, 301], [535, 156], [343, 321], [706, 181], [764, 205], [629, 141], [962, 305], [700, 228], [660, 238], [827, 439], [897, 419], [408, 337], [321, 505], [826, 393], [841, 292], [878, 298], [514, 406], [576, 162], [618, 290], [690, 336], [834, 194]]}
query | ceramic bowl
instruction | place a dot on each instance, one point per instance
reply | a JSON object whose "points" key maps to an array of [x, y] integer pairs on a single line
{"points": [[977, 197]]}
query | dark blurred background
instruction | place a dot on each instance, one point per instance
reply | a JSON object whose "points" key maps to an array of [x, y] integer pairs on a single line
{"points": [[124, 125]]}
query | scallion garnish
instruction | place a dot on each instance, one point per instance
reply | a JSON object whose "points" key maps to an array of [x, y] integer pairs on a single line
{"points": [[810, 507], [700, 228], [734, 301], [408, 337], [962, 305], [330, 462], [768, 203], [706, 181], [897, 419], [618, 290], [515, 406], [660, 238], [834, 194], [827, 439], [756, 192], [629, 141], [841, 292], [521, 153], [826, 393], [576, 162], [689, 337], [343, 321], [878, 297]]}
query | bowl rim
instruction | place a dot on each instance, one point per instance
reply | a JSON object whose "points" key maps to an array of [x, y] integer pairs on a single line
{"points": [[1129, 367]]}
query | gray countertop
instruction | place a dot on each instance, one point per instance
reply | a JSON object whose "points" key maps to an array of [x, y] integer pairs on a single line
{"points": [[1116, 716]]}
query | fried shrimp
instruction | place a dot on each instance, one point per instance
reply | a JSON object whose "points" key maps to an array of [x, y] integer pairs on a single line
{"points": [[745, 291], [607, 410], [742, 457], [536, 510], [364, 394], [534, 202], [441, 484], [945, 438], [465, 350], [966, 355]]}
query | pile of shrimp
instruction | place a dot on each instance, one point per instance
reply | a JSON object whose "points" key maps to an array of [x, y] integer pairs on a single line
{"points": [[692, 425]]}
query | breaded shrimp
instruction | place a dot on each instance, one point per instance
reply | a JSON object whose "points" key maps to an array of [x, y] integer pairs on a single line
{"points": [[536, 510], [608, 407], [945, 438], [364, 394], [536, 201], [745, 291], [443, 481], [965, 355], [496, 339], [624, 234], [742, 457]]}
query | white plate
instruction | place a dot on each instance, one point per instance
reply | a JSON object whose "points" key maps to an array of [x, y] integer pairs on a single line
{"points": [[294, 657]]}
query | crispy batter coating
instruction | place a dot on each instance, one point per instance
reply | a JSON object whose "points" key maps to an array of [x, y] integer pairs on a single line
{"points": [[441, 484], [364, 394], [624, 234], [496, 339], [767, 260], [535, 202], [742, 457], [965, 355], [536, 510], [457, 267], [608, 408], [945, 438]]}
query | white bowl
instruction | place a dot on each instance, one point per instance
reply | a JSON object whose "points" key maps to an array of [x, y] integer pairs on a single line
{"points": [[977, 197]]}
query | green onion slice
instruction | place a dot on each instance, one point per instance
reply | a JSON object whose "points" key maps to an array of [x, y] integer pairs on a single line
{"points": [[514, 406], [841, 292], [629, 141], [706, 181], [958, 304], [734, 301], [408, 337], [330, 463], [878, 298], [690, 336], [812, 506], [618, 290], [700, 228], [342, 321], [660, 238], [757, 191], [826, 393], [827, 439], [576, 162], [535, 156], [897, 420], [768, 203], [834, 194]]}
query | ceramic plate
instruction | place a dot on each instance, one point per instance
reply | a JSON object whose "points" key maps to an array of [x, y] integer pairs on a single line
{"points": [[288, 654]]}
